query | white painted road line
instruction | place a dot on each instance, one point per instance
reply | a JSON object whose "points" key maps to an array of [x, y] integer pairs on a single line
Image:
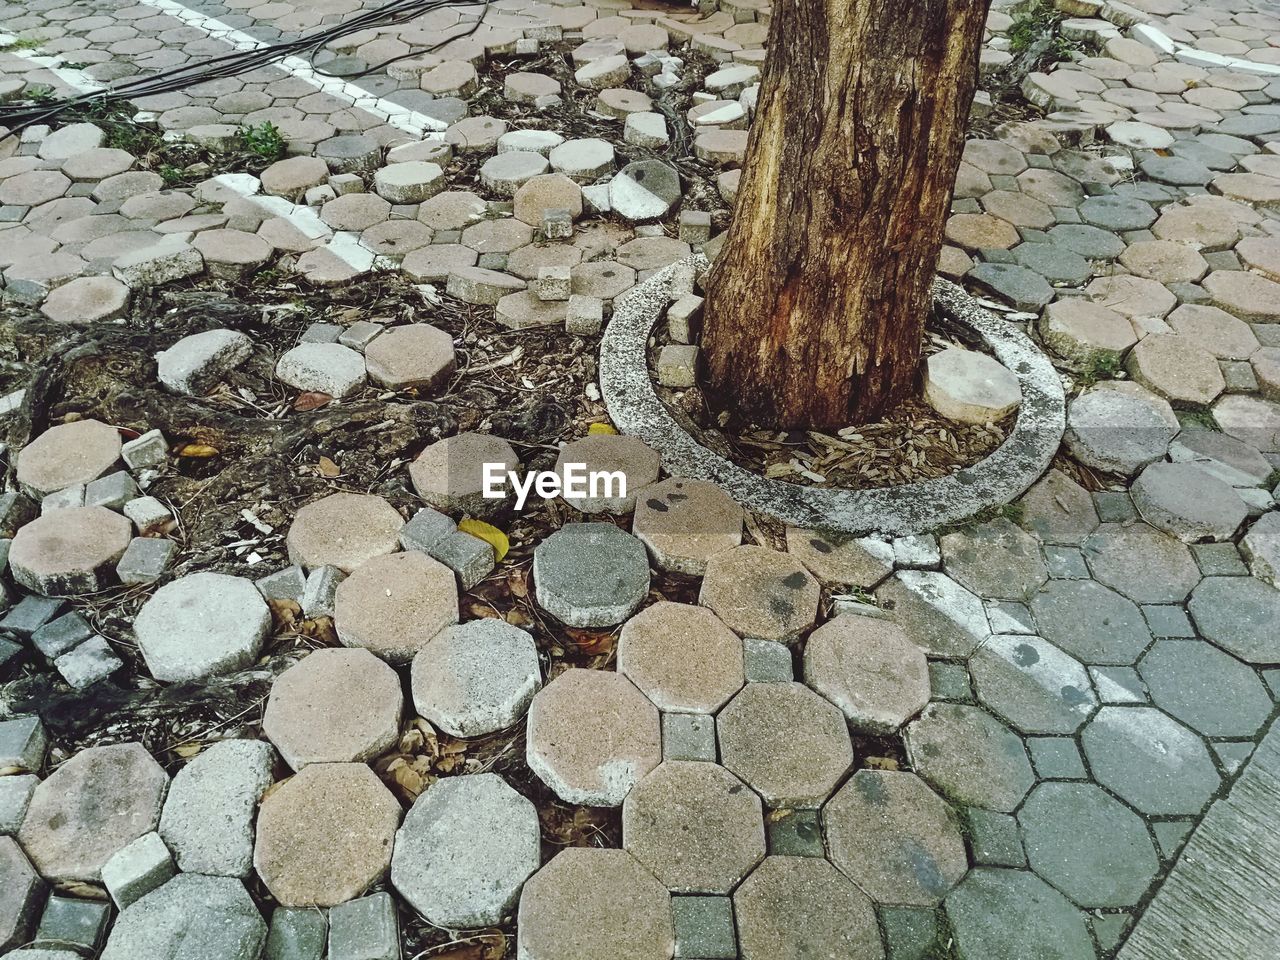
{"points": [[75, 79]]}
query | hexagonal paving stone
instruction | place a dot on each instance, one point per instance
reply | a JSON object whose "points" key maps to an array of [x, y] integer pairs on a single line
{"points": [[695, 825], [393, 605], [628, 456], [1090, 622], [590, 574], [1165, 261], [1209, 691], [682, 657], [684, 523], [969, 756], [1141, 562], [786, 742], [592, 736], [998, 914], [416, 356], [449, 474], [895, 838], [1150, 760], [761, 593], [1058, 510], [793, 908], [95, 804], [1188, 502], [334, 706], [870, 669], [201, 625], [65, 455], [476, 678], [939, 616], [995, 560], [466, 847], [841, 561], [69, 552], [87, 300], [1032, 684], [569, 910], [1239, 614], [1087, 844], [1177, 369], [343, 530], [1119, 427]]}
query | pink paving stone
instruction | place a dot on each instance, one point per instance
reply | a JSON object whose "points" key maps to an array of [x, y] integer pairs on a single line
{"points": [[1165, 261], [1084, 332], [69, 552], [67, 454], [981, 231], [230, 254], [416, 356], [95, 804], [840, 561], [629, 456], [1247, 295], [32, 189], [592, 736], [682, 657], [393, 605], [548, 191], [334, 706], [1133, 297], [589, 904], [1261, 254], [761, 593], [1177, 369], [684, 523], [1214, 330], [344, 530], [870, 669], [325, 835], [87, 300], [294, 176]]}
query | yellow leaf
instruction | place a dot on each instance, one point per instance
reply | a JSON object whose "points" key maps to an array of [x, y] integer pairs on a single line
{"points": [[600, 428], [187, 750], [198, 451], [489, 534]]}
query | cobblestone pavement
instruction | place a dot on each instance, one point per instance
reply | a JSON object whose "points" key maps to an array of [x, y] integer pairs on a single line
{"points": [[990, 742]]}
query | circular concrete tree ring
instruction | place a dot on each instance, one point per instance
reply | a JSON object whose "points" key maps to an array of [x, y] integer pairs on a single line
{"points": [[897, 511]]}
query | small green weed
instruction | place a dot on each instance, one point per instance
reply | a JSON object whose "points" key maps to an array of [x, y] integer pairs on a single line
{"points": [[263, 141]]}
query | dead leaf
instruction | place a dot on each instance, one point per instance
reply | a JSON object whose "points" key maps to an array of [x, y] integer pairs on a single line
{"points": [[311, 400], [328, 468], [198, 451]]}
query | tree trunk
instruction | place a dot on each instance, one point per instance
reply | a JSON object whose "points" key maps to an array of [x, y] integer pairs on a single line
{"points": [[816, 305]]}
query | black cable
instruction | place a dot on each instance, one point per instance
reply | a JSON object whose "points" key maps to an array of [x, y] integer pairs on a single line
{"points": [[17, 117]]}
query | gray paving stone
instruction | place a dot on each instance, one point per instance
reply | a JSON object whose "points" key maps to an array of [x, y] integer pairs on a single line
{"points": [[1119, 430], [202, 624], [994, 838], [590, 574], [940, 616], [365, 929], [765, 661], [1170, 834], [1023, 288], [30, 614], [1058, 510], [297, 933], [1219, 560], [1056, 758], [465, 849], [969, 756], [644, 190], [1057, 264], [1239, 615], [1150, 760], [62, 634], [1032, 684], [1090, 242], [1114, 506], [1065, 563], [138, 868], [1211, 692], [704, 927], [1011, 914], [196, 917], [1117, 213], [471, 558], [688, 736], [15, 796], [1091, 623], [22, 898], [1187, 502], [950, 681], [1167, 620], [995, 560], [794, 833], [74, 923], [86, 664], [1090, 846], [1144, 564], [145, 559]]}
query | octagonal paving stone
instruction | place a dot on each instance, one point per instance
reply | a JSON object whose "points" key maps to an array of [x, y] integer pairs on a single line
{"points": [[841, 561], [1211, 692], [1085, 333], [998, 914], [939, 616], [202, 625], [1141, 562], [394, 604], [995, 560], [794, 908], [591, 736], [69, 552], [1230, 460], [1032, 684], [695, 826], [334, 706], [895, 838], [1087, 844], [1239, 614], [1119, 427], [1150, 760], [870, 669], [1178, 369], [684, 523], [449, 474], [681, 657], [325, 835], [786, 742], [1252, 419], [466, 847], [1187, 502], [1119, 213], [969, 756], [65, 455], [343, 530], [92, 806], [590, 574], [1058, 510], [416, 356], [569, 910], [761, 593], [190, 916], [628, 456], [1214, 330], [1090, 622]]}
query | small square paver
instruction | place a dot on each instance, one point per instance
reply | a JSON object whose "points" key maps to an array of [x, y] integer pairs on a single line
{"points": [[704, 928], [911, 933], [794, 833], [1056, 758], [688, 736], [1168, 620], [994, 839], [1118, 685], [364, 929], [1114, 507], [74, 923], [766, 661], [1066, 563], [1219, 560], [950, 681]]}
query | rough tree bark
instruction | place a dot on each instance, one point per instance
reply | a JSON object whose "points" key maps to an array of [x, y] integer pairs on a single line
{"points": [[816, 304]]}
